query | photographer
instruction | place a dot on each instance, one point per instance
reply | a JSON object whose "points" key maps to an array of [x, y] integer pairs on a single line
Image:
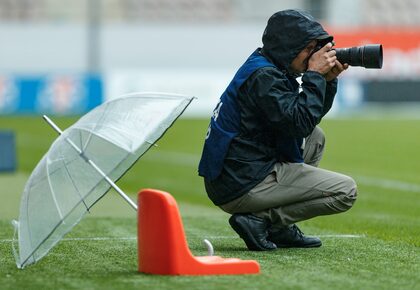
{"points": [[263, 145]]}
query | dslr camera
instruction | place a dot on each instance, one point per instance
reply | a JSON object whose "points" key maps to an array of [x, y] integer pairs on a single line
{"points": [[367, 56]]}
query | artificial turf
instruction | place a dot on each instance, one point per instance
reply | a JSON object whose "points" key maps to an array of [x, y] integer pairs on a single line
{"points": [[373, 246]]}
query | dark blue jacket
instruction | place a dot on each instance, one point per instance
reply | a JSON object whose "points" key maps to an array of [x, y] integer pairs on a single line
{"points": [[226, 120]]}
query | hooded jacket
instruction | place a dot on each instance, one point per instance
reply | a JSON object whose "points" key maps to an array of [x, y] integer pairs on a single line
{"points": [[262, 118]]}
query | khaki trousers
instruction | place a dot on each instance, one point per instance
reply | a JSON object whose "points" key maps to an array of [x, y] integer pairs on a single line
{"points": [[294, 192]]}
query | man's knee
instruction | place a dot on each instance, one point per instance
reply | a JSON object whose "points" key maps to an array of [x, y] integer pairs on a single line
{"points": [[349, 194], [317, 137], [314, 147]]}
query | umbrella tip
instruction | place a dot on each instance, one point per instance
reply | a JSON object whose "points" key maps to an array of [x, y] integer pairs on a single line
{"points": [[52, 124], [15, 224]]}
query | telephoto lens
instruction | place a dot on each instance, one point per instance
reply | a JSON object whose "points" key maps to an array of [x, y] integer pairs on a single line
{"points": [[368, 56]]}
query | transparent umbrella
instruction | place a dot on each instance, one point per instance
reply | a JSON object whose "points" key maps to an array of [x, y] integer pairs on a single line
{"points": [[84, 162]]}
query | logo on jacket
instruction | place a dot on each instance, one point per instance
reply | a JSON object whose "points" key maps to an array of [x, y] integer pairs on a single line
{"points": [[217, 111], [215, 116]]}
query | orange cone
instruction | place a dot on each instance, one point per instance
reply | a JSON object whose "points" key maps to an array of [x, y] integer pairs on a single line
{"points": [[163, 249]]}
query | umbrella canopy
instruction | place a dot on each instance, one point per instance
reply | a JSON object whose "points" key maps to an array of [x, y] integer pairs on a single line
{"points": [[81, 165]]}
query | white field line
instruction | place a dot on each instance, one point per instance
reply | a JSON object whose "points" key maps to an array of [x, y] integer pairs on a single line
{"points": [[388, 183], [344, 236], [188, 159], [341, 236], [87, 239]]}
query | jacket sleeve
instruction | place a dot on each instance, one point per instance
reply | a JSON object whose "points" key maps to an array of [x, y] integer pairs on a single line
{"points": [[293, 114], [330, 92]]}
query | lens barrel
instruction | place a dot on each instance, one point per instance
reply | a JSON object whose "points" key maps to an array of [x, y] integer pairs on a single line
{"points": [[368, 56]]}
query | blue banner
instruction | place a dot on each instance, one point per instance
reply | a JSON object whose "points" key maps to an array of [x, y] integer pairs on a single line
{"points": [[61, 94]]}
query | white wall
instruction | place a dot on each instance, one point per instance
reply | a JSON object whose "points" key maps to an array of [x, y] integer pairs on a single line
{"points": [[46, 48], [344, 12], [34, 49]]}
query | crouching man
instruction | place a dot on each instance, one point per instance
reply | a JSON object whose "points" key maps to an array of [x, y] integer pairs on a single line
{"points": [[263, 146]]}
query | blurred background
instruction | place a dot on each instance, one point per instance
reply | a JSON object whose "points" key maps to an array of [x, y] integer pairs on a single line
{"points": [[67, 57]]}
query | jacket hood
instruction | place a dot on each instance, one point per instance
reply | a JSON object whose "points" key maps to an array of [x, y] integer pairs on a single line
{"points": [[287, 33]]}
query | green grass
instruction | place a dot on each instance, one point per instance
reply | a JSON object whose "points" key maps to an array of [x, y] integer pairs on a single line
{"points": [[382, 155]]}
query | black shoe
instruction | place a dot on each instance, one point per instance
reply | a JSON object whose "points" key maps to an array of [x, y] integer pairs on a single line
{"points": [[253, 230], [292, 237]]}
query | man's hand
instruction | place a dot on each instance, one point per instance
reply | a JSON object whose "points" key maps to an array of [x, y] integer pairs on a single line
{"points": [[337, 69], [323, 60]]}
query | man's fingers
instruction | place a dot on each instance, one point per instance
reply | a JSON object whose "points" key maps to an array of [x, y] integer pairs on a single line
{"points": [[332, 61], [327, 47], [325, 61], [336, 68], [339, 66], [331, 52]]}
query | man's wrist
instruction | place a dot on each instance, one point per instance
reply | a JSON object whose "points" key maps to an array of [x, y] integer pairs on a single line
{"points": [[314, 71]]}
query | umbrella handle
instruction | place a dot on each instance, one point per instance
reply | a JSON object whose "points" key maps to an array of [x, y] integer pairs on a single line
{"points": [[93, 164], [210, 250]]}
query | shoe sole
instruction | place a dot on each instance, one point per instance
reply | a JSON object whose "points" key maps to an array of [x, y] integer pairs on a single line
{"points": [[246, 235], [317, 245]]}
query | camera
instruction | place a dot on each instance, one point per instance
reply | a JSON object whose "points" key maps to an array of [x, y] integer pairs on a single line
{"points": [[368, 56]]}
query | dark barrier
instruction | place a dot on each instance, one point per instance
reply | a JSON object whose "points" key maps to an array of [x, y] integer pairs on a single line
{"points": [[7, 151], [392, 91]]}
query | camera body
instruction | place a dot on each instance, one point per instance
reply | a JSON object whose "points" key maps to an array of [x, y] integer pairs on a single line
{"points": [[368, 56]]}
